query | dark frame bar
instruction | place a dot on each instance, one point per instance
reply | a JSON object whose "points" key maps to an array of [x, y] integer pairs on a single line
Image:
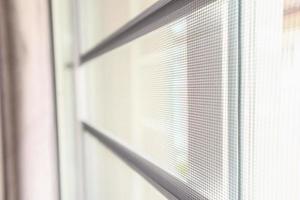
{"points": [[170, 186]]}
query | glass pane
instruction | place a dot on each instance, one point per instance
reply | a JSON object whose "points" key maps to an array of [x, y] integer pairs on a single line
{"points": [[166, 96], [100, 18], [107, 177]]}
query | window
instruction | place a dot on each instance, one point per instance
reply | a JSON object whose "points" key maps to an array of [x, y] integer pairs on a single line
{"points": [[165, 95], [180, 99]]}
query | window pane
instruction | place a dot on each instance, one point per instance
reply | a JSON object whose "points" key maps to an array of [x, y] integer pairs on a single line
{"points": [[100, 18], [166, 96]]}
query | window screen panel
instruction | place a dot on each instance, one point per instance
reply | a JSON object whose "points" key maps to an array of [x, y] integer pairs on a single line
{"points": [[166, 96], [99, 19], [210, 95]]}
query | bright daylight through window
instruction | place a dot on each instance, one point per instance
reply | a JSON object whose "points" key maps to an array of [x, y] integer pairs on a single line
{"points": [[178, 99]]}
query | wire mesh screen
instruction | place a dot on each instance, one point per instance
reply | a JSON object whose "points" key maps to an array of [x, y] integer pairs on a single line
{"points": [[207, 91], [171, 96]]}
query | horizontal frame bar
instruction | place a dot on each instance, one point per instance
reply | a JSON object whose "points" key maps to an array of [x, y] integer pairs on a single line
{"points": [[159, 14], [170, 186]]}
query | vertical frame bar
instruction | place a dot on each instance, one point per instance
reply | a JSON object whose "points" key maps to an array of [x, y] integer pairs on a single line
{"points": [[77, 103], [234, 98]]}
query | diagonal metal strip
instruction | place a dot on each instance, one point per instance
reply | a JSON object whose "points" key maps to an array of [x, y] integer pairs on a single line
{"points": [[166, 183], [159, 14]]}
